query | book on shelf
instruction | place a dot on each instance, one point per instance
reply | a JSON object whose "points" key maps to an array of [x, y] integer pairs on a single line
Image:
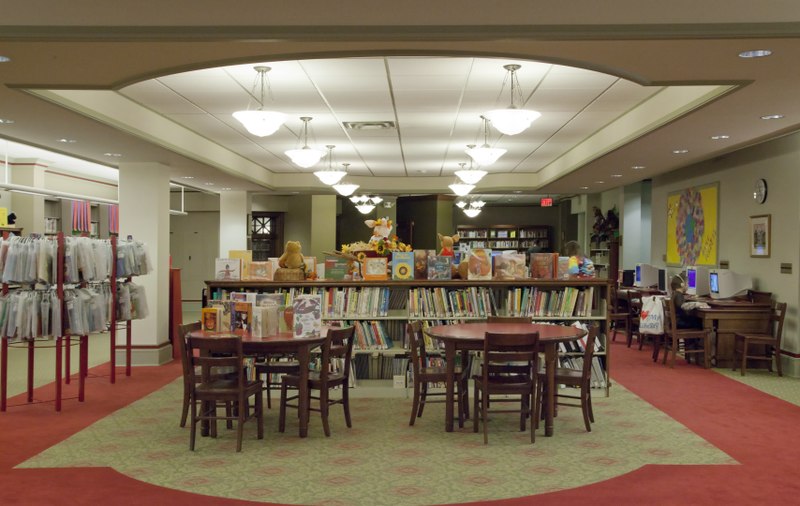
{"points": [[311, 266], [264, 299], [402, 265], [356, 302], [250, 297], [375, 268], [439, 267], [307, 311], [249, 365], [420, 264], [562, 269], [211, 317], [544, 265], [510, 265], [261, 271], [479, 263], [228, 269], [559, 303], [472, 302], [336, 268], [246, 257], [241, 317]]}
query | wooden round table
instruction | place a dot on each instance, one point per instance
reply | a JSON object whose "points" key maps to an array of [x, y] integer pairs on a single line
{"points": [[470, 336], [283, 342]]}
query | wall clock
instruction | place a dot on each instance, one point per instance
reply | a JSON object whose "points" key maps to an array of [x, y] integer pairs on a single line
{"points": [[760, 191]]}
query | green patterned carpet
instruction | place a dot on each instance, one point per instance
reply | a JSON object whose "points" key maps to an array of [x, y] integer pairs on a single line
{"points": [[785, 388], [381, 460]]}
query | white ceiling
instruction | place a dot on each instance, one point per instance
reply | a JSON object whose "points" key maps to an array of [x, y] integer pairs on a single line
{"points": [[435, 101]]}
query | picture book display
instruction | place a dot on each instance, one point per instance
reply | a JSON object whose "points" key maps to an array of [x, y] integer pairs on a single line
{"points": [[479, 264], [440, 267], [228, 269], [374, 268], [311, 265], [265, 320], [241, 317], [224, 323], [510, 266], [336, 268], [544, 265], [261, 271], [307, 310], [246, 256], [402, 265], [562, 271], [420, 264], [211, 317]]}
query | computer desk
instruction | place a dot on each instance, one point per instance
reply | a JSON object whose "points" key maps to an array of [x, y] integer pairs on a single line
{"points": [[727, 317]]}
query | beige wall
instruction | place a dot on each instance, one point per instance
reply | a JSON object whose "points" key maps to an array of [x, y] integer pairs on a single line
{"points": [[778, 162], [82, 186]]}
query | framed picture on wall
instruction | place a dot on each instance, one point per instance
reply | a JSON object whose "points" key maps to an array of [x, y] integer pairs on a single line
{"points": [[760, 235]]}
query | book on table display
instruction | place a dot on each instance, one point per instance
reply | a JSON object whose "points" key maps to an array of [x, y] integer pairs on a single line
{"points": [[307, 311], [402, 265], [249, 297], [224, 324], [241, 317], [264, 299], [211, 318], [440, 267], [228, 269], [246, 257], [479, 264], [261, 271]]}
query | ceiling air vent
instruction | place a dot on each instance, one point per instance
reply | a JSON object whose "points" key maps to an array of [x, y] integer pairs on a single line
{"points": [[369, 125]]}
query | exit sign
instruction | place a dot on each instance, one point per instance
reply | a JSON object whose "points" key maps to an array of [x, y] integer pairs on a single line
{"points": [[546, 202]]}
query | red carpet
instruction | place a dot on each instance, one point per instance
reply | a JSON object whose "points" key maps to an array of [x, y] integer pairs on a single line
{"points": [[756, 429]]}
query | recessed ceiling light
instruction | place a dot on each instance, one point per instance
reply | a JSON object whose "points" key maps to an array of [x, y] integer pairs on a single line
{"points": [[755, 53], [616, 175], [226, 189], [6, 121], [113, 155], [599, 182], [584, 187], [772, 116], [680, 151], [67, 141], [187, 177], [637, 167], [4, 59], [421, 171], [209, 184], [720, 137], [517, 191]]}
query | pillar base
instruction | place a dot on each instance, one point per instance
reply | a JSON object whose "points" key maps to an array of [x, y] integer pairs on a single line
{"points": [[146, 355]]}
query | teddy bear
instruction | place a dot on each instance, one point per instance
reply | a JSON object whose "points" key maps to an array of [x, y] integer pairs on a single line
{"points": [[292, 257], [447, 244], [381, 228]]}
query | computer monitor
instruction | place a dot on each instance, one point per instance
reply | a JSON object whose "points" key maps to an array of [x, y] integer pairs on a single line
{"points": [[697, 280], [645, 276], [725, 283], [662, 280]]}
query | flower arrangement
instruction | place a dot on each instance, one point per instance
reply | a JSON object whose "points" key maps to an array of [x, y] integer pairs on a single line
{"points": [[382, 247]]}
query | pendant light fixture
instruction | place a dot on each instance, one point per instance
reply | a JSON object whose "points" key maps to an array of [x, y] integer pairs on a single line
{"points": [[305, 157], [365, 208], [461, 204], [259, 122], [473, 208], [485, 155], [471, 176], [462, 189], [511, 121], [331, 176], [345, 189], [472, 212]]}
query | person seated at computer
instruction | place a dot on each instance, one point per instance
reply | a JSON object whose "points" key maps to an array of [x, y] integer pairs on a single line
{"points": [[683, 319], [579, 264]]}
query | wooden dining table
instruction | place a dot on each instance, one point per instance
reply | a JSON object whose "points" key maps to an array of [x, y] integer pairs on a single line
{"points": [[283, 342], [470, 336]]}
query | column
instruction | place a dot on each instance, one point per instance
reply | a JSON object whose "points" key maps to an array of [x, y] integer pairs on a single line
{"points": [[144, 214], [233, 209], [323, 226], [635, 224], [28, 208]]}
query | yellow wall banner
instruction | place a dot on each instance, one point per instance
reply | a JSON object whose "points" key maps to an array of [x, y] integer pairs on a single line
{"points": [[692, 226]]}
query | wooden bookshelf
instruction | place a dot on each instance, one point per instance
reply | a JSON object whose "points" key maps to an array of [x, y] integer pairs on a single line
{"points": [[500, 293], [504, 237]]}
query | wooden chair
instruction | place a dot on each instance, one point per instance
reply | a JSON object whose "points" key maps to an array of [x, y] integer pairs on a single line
{"points": [[271, 367], [673, 336], [500, 349], [634, 302], [616, 315], [338, 344], [579, 378], [216, 356], [771, 342], [425, 375], [183, 331]]}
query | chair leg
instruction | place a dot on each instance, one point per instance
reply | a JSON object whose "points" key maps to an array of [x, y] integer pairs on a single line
{"points": [[269, 390], [193, 428], [460, 404], [706, 353], [585, 408], [744, 356], [185, 407], [531, 410], [484, 414], [423, 398], [675, 346], [537, 410], [589, 403], [629, 339], [240, 425], [735, 354], [475, 409], [228, 414], [282, 415], [324, 409], [778, 365], [465, 390], [415, 405], [260, 414], [523, 412], [346, 403]]}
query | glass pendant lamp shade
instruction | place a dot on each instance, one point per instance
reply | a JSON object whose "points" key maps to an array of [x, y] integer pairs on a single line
{"points": [[462, 189], [365, 208], [512, 121], [345, 189], [471, 176], [461, 204], [376, 199], [485, 155], [259, 122], [305, 157], [472, 212], [331, 176]]}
